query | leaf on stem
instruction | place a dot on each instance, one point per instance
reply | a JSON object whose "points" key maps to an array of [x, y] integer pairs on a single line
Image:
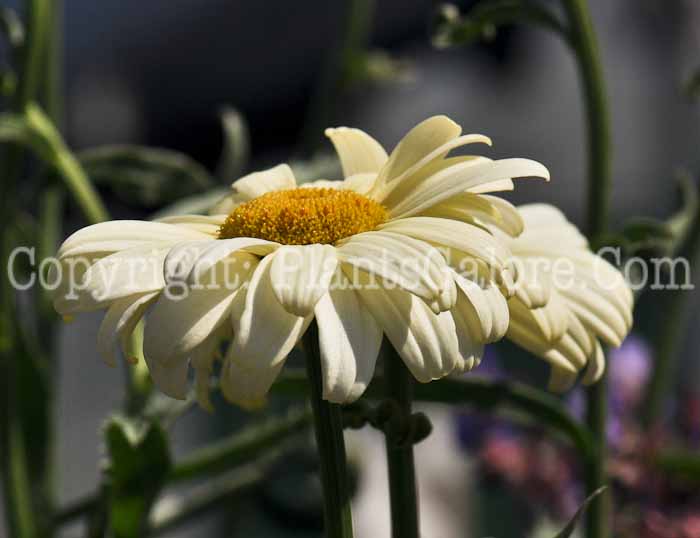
{"points": [[139, 463], [147, 176], [235, 152], [453, 29], [571, 526]]}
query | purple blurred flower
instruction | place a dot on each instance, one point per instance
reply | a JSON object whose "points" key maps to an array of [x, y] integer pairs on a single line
{"points": [[630, 367]]}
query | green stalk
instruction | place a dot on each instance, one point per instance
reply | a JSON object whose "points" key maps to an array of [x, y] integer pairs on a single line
{"points": [[399, 453], [14, 467], [584, 43], [674, 305], [328, 427]]}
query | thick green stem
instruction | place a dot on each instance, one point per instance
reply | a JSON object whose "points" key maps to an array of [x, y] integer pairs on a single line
{"points": [[328, 426], [585, 47], [399, 452]]}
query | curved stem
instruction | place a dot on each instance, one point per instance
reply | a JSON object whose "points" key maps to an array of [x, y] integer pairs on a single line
{"points": [[401, 466], [328, 427], [583, 41]]}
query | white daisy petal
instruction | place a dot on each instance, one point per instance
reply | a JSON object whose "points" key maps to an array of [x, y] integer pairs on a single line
{"points": [[124, 273], [358, 152], [420, 142], [264, 332], [208, 224], [178, 324], [464, 237], [411, 264], [301, 274], [349, 341], [278, 178], [460, 177], [247, 384], [425, 341], [119, 322], [123, 234]]}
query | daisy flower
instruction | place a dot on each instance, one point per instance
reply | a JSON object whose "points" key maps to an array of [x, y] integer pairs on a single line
{"points": [[377, 254], [567, 299]]}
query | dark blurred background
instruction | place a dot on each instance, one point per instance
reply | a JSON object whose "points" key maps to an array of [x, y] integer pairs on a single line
{"points": [[157, 72]]}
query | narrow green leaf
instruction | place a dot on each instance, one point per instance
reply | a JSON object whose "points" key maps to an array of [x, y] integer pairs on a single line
{"points": [[571, 526], [139, 463], [236, 147], [147, 176], [12, 28], [481, 22]]}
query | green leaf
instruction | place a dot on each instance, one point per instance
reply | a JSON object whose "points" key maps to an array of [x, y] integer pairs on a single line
{"points": [[659, 237], [571, 526], [18, 129], [481, 22], [236, 148], [139, 463], [148, 176], [198, 204], [12, 27]]}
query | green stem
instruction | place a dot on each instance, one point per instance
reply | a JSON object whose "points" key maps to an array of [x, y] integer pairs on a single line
{"points": [[674, 306], [241, 448], [328, 427], [584, 43], [585, 47], [401, 467], [15, 471]]}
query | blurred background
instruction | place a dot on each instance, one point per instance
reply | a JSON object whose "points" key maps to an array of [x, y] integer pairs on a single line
{"points": [[158, 73]]}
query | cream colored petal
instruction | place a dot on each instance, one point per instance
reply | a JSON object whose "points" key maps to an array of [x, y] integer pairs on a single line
{"points": [[483, 308], [208, 224], [278, 178], [171, 379], [119, 321], [360, 183], [216, 251], [301, 274], [469, 338], [532, 285], [411, 264], [125, 273], [358, 152], [202, 361], [264, 332], [596, 324], [425, 341], [596, 365], [481, 210], [460, 177], [122, 234], [420, 142], [247, 384], [549, 321], [177, 324], [528, 339], [407, 184], [560, 380], [349, 339], [450, 233], [499, 185]]}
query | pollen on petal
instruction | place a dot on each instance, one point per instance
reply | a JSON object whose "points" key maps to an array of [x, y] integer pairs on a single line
{"points": [[304, 216]]}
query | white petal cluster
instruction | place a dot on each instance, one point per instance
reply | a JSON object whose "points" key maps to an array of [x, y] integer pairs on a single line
{"points": [[253, 299]]}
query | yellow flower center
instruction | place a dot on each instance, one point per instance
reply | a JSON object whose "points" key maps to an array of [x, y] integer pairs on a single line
{"points": [[304, 216]]}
